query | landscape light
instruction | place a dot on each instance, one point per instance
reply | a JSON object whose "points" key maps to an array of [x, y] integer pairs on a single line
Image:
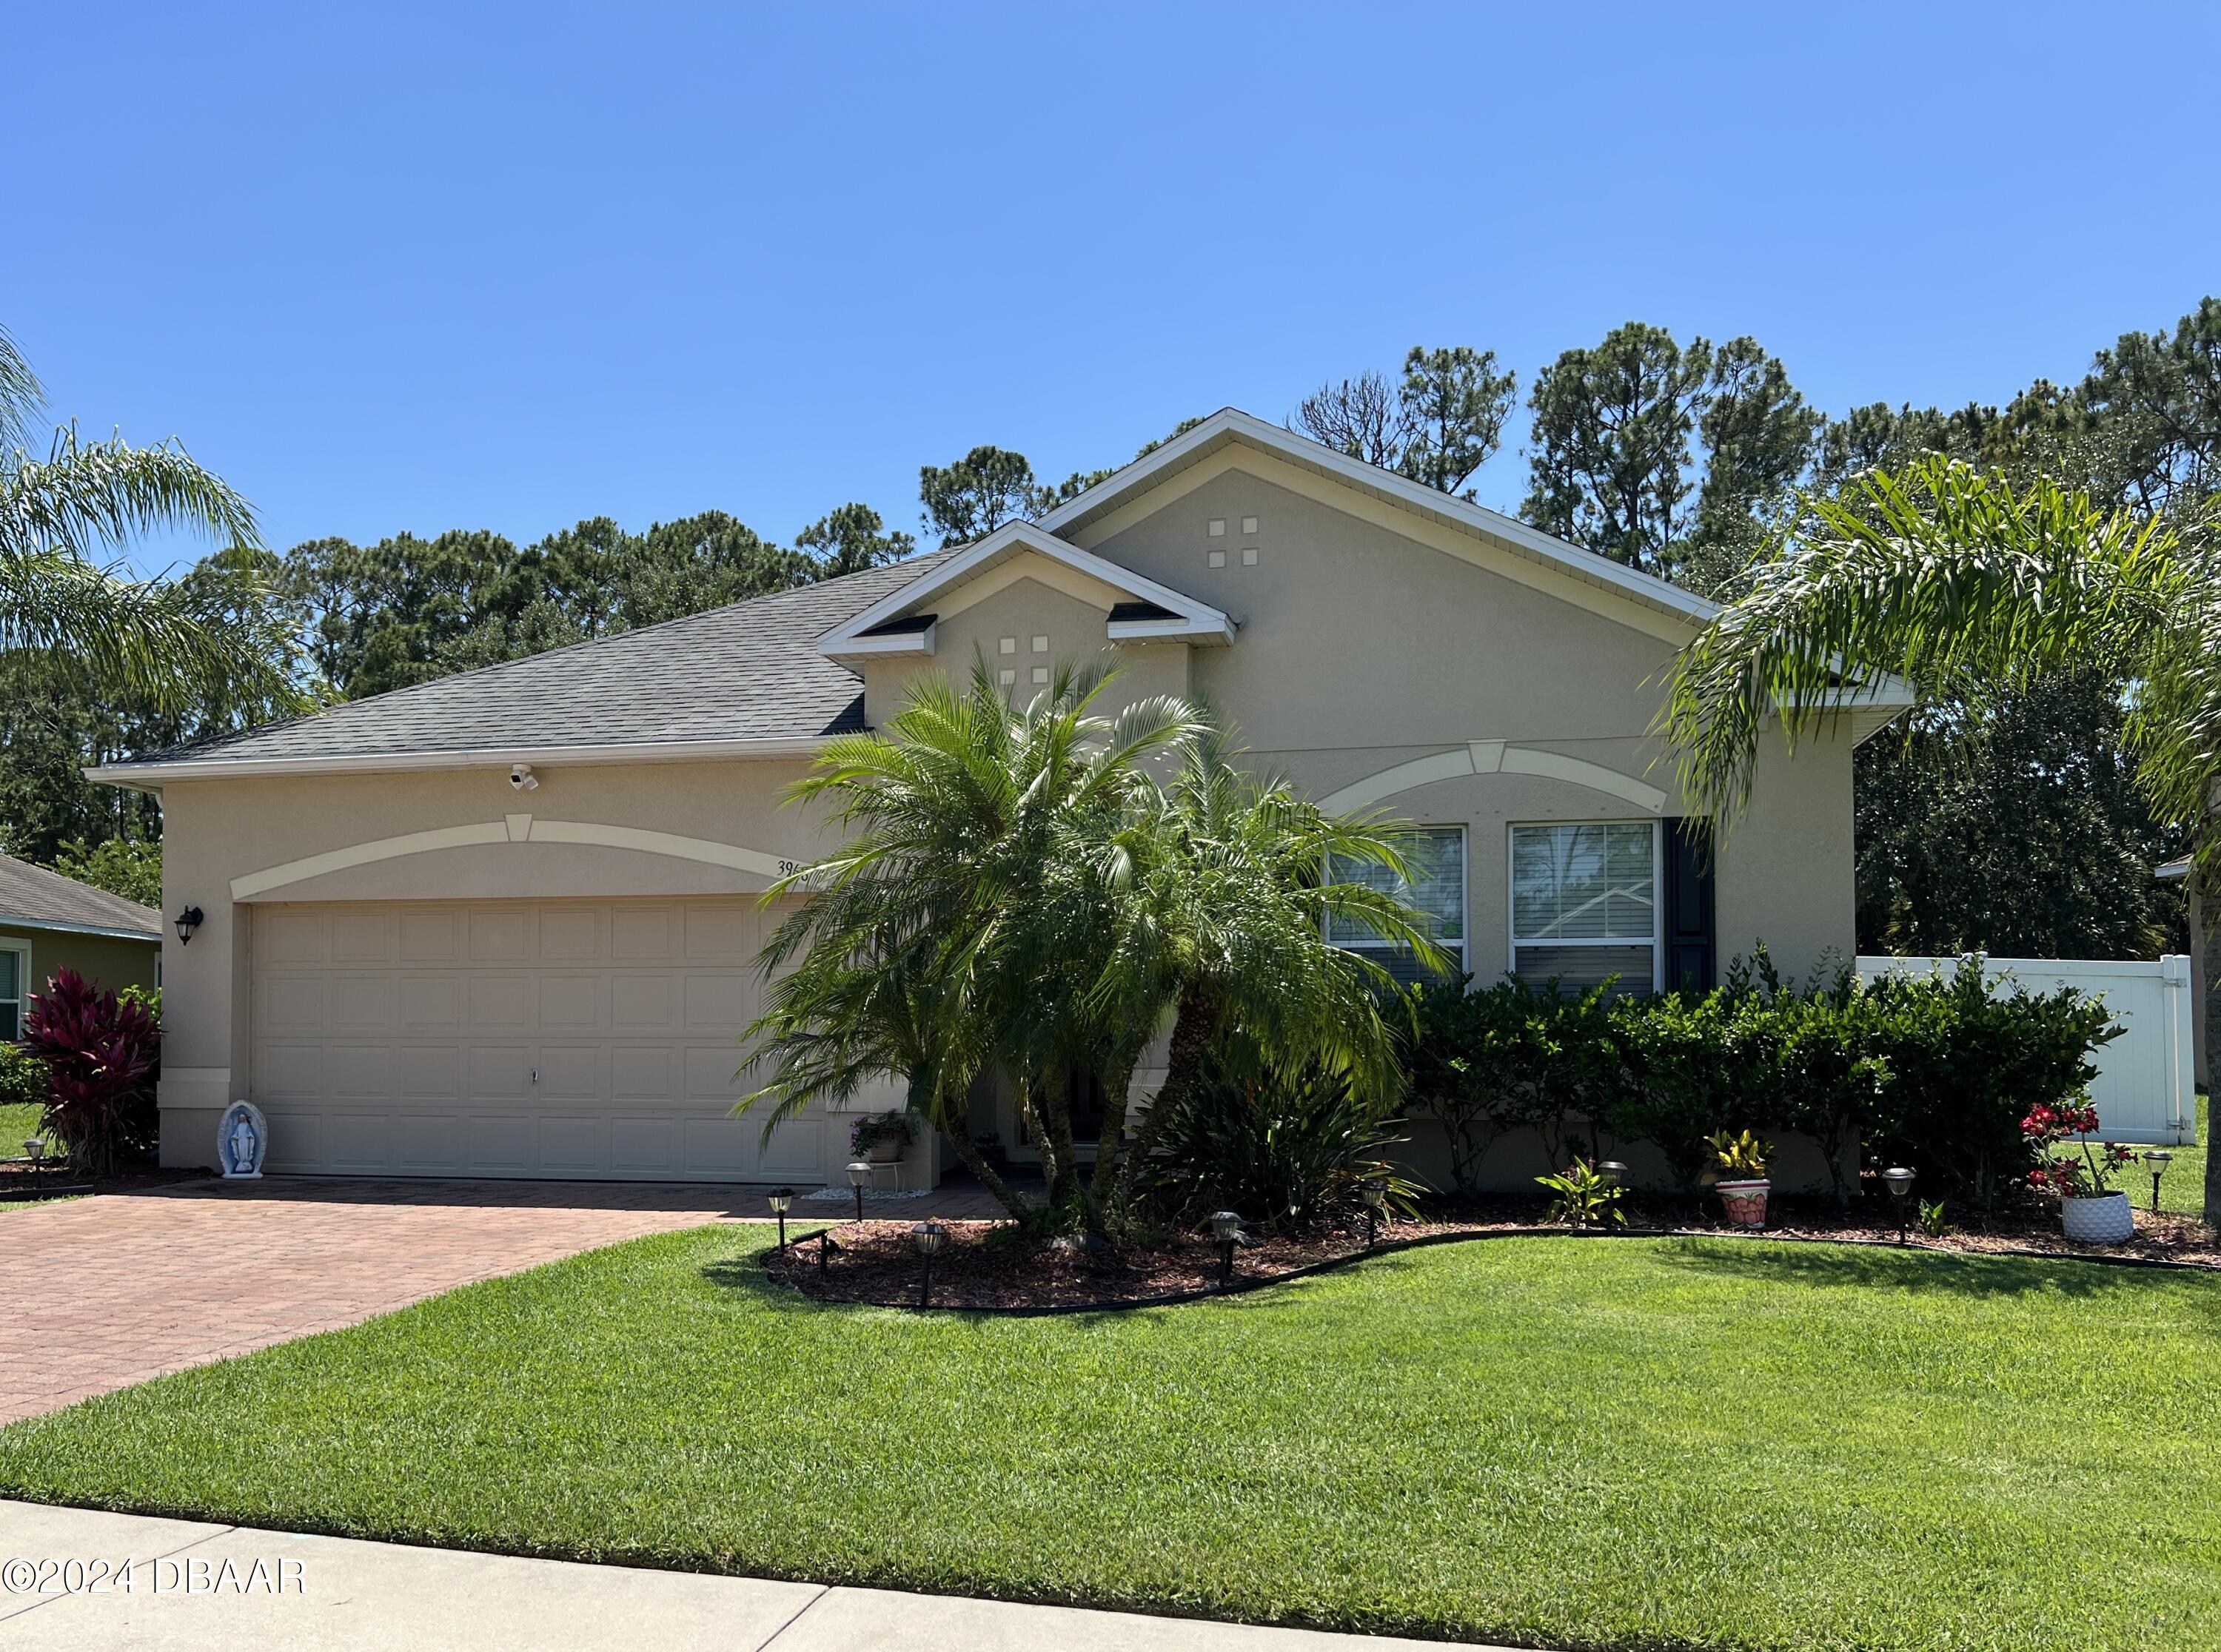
{"points": [[860, 1172], [1226, 1228], [1611, 1173], [2159, 1158], [1901, 1184], [36, 1147], [1374, 1191], [778, 1199], [930, 1237]]}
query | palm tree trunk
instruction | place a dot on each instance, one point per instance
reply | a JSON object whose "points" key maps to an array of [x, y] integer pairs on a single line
{"points": [[959, 1132], [1053, 1112], [1193, 1028], [1116, 1083], [2201, 1063]]}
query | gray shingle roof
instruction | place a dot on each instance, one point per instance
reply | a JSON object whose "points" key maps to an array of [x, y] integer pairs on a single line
{"points": [[750, 671], [33, 896]]}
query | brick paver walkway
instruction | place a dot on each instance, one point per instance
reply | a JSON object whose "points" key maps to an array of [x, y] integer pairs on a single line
{"points": [[101, 1292]]}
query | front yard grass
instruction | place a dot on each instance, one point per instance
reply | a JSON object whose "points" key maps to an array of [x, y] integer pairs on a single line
{"points": [[1623, 1443]]}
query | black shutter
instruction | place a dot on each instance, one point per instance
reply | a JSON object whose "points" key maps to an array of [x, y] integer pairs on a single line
{"points": [[1691, 949]]}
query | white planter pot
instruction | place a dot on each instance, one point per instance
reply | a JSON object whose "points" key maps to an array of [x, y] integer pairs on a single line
{"points": [[2104, 1219]]}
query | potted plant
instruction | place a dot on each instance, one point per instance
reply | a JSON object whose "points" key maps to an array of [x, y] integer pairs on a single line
{"points": [[2090, 1211], [1738, 1175], [881, 1137]]}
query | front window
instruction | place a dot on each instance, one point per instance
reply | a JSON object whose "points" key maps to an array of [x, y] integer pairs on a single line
{"points": [[1434, 862], [15, 973], [1584, 904]]}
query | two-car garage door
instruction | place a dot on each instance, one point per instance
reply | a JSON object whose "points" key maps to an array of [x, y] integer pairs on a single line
{"points": [[513, 1038]]}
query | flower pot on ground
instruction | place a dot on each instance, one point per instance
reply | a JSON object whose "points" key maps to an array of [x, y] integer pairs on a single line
{"points": [[1738, 1174], [2090, 1212], [1743, 1203], [2098, 1218], [880, 1137]]}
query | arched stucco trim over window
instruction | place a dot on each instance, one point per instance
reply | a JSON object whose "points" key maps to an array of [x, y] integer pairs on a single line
{"points": [[1491, 758], [514, 828]]}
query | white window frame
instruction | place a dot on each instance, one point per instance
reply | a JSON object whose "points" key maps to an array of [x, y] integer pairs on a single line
{"points": [[22, 948], [1512, 941], [1463, 950]]}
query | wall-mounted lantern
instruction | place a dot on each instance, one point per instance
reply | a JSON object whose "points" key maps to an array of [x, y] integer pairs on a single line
{"points": [[187, 921]]}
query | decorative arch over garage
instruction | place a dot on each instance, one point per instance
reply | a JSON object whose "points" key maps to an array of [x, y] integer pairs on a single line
{"points": [[511, 828]]}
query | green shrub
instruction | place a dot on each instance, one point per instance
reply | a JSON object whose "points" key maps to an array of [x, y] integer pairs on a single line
{"points": [[25, 1081], [1287, 1149], [1935, 1072]]}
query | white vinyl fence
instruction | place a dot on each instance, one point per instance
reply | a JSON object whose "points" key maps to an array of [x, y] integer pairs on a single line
{"points": [[2145, 1088]]}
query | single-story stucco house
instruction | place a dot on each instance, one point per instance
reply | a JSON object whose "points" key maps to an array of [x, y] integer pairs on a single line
{"points": [[420, 955], [49, 923]]}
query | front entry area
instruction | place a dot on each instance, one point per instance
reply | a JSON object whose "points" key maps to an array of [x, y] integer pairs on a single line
{"points": [[552, 1039]]}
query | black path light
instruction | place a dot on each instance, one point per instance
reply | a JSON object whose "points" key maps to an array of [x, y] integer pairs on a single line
{"points": [[1900, 1188], [1611, 1173], [930, 1237], [1226, 1228], [2159, 1158], [859, 1174], [1374, 1191], [778, 1199]]}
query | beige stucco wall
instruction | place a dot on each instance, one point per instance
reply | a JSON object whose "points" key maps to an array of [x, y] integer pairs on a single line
{"points": [[103, 960], [1366, 640]]}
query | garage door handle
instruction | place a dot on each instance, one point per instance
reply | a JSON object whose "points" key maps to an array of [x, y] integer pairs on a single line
{"points": [[535, 1075]]}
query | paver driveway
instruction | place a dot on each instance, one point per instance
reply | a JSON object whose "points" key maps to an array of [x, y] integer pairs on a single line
{"points": [[104, 1292]]}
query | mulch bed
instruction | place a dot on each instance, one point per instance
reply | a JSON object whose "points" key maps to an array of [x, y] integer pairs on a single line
{"points": [[989, 1266]]}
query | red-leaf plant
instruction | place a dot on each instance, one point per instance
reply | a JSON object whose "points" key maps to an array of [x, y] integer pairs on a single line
{"points": [[100, 1050], [2081, 1174]]}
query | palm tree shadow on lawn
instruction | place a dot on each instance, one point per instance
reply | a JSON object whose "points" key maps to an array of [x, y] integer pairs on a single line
{"points": [[1959, 1273]]}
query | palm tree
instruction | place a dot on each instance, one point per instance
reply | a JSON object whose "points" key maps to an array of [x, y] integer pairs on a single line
{"points": [[1967, 590], [1226, 880], [938, 939], [168, 644]]}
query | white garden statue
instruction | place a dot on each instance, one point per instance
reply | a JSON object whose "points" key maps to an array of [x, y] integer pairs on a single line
{"points": [[241, 1140]]}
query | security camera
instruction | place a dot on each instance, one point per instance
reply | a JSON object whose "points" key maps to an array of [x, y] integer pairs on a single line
{"points": [[521, 778]]}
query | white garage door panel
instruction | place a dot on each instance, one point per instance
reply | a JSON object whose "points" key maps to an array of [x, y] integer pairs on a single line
{"points": [[546, 1039]]}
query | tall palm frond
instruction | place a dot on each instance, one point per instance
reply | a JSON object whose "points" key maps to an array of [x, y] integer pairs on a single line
{"points": [[1942, 577]]}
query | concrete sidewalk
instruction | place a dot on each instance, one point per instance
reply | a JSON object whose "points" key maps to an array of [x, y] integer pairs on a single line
{"points": [[340, 1595]]}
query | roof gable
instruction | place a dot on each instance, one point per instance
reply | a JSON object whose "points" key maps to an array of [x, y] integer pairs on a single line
{"points": [[1138, 606], [36, 897]]}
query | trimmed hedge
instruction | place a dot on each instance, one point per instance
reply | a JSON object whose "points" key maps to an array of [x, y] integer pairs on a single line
{"points": [[1935, 1072]]}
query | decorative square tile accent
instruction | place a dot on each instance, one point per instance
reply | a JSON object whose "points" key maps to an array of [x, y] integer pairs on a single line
{"points": [[1009, 645], [1040, 644], [1248, 556], [1218, 558], [1218, 527], [1041, 674], [1006, 677], [1249, 523]]}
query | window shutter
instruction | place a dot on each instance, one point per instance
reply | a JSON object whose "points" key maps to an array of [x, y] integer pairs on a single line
{"points": [[1692, 948]]}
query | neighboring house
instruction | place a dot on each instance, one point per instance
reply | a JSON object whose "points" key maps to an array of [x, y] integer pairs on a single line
{"points": [[50, 922], [418, 957]]}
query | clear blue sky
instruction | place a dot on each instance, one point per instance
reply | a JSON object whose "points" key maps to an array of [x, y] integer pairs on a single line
{"points": [[388, 267]]}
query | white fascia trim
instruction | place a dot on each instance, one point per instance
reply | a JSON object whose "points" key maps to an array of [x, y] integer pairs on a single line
{"points": [[154, 937], [906, 642], [1022, 536], [1301, 449], [144, 776], [1150, 630]]}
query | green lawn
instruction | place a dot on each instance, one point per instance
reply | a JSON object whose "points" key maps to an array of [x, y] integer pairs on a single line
{"points": [[17, 1124], [1611, 1443]]}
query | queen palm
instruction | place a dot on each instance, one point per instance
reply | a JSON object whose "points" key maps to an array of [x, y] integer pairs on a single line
{"points": [[938, 939], [1967, 589], [169, 645], [1224, 881], [1018, 893]]}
